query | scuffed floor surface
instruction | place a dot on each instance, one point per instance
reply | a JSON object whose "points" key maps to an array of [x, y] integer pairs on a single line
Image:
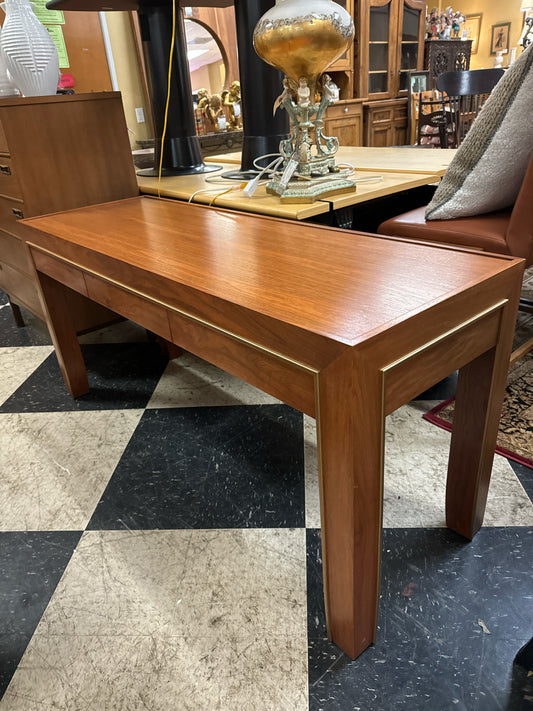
{"points": [[160, 549]]}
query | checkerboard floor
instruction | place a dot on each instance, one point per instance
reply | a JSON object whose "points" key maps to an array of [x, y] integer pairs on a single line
{"points": [[160, 549]]}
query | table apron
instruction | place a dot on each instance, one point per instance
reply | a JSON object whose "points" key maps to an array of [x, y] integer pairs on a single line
{"points": [[280, 376]]}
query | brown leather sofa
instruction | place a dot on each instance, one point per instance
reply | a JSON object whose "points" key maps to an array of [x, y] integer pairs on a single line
{"points": [[505, 232]]}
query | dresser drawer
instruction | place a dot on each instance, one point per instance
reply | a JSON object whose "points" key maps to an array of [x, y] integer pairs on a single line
{"points": [[336, 111], [13, 252], [21, 288], [11, 211], [9, 185], [4, 148]]}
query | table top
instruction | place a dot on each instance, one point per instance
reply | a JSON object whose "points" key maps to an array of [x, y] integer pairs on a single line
{"points": [[373, 184], [344, 286], [406, 159]]}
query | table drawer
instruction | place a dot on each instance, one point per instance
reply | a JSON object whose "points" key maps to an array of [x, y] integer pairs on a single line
{"points": [[147, 314], [13, 252], [21, 288], [9, 185], [11, 211], [275, 375], [58, 270]]}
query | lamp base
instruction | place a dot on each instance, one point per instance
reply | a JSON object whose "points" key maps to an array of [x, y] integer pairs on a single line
{"points": [[303, 191]]}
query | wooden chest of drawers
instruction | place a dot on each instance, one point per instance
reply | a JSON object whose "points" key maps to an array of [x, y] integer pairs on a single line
{"points": [[344, 119], [57, 153]]}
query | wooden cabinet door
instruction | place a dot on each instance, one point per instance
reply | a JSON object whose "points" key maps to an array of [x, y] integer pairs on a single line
{"points": [[345, 121], [380, 61], [347, 130], [410, 49], [390, 44]]}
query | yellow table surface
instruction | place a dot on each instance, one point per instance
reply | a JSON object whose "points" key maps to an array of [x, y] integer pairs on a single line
{"points": [[369, 185], [182, 187], [397, 159]]}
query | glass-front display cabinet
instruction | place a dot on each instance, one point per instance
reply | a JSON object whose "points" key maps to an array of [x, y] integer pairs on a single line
{"points": [[391, 44]]}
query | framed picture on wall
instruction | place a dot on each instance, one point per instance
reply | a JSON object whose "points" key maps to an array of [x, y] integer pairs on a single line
{"points": [[499, 38], [472, 28]]}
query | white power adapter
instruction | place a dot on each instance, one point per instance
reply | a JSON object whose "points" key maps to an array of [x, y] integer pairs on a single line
{"points": [[251, 186]]}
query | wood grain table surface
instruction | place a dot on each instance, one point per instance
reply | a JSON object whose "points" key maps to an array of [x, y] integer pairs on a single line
{"points": [[344, 326]]}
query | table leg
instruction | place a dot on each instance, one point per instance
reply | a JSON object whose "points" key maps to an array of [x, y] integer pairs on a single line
{"points": [[478, 403], [63, 335], [17, 314], [350, 427]]}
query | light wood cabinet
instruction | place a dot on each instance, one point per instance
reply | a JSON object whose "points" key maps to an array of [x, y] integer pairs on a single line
{"points": [[344, 119], [390, 44], [385, 123], [57, 153]]}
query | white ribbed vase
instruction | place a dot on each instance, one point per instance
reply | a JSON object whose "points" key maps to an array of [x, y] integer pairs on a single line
{"points": [[28, 50], [7, 88]]}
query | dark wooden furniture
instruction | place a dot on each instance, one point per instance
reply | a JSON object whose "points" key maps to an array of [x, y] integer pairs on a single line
{"points": [[434, 125], [446, 56], [56, 153], [467, 91], [344, 327]]}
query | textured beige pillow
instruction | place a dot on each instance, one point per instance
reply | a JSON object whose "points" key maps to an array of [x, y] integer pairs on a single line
{"points": [[490, 164]]}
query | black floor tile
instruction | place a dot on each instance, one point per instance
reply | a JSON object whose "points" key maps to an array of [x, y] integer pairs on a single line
{"points": [[33, 333], [453, 615], [31, 564], [120, 376], [209, 467], [525, 474]]}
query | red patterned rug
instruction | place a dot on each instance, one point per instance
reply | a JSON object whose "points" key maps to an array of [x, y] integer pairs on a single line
{"points": [[515, 438]]}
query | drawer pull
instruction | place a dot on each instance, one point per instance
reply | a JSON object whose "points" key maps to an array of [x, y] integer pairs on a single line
{"points": [[5, 169], [345, 109], [18, 213]]}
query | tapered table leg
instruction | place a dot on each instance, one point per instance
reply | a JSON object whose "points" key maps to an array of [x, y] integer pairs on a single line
{"points": [[350, 426], [63, 335], [478, 404]]}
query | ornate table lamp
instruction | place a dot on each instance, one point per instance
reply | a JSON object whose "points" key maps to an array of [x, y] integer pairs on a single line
{"points": [[303, 38]]}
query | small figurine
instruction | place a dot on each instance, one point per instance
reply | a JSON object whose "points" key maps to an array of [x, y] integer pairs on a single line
{"points": [[215, 113], [303, 92], [232, 100], [432, 24]]}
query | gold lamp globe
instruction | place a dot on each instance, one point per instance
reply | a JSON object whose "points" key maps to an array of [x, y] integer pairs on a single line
{"points": [[302, 38]]}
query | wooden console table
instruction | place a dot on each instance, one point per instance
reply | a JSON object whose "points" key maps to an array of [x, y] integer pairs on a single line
{"points": [[344, 326]]}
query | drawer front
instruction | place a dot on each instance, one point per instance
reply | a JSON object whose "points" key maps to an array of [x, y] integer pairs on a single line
{"points": [[147, 314], [13, 252], [21, 288], [4, 148], [9, 184], [337, 111], [11, 211], [58, 270], [278, 377], [381, 115]]}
